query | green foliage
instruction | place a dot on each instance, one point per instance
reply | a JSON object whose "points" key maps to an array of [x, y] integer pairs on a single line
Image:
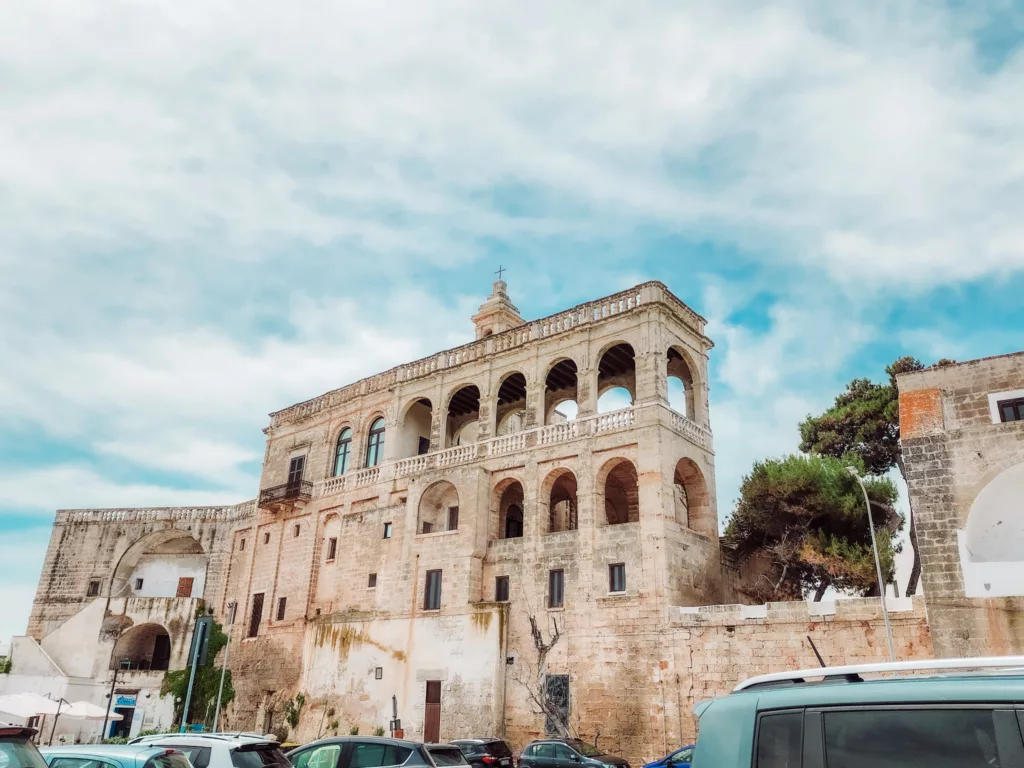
{"points": [[5, 665], [807, 515], [116, 740], [353, 731], [334, 725], [204, 691], [378, 731], [293, 709]]}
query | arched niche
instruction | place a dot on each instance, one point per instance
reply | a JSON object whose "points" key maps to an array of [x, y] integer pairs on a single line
{"points": [[438, 509], [692, 499], [510, 509], [164, 563], [145, 647], [616, 378], [414, 429], [561, 392], [510, 412], [463, 417], [562, 503], [681, 383], [621, 492]]}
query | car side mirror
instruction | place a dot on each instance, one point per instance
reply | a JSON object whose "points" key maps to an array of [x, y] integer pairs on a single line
{"points": [[575, 758]]}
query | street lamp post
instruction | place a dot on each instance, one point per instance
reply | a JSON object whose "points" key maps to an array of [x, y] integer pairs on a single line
{"points": [[878, 563]]}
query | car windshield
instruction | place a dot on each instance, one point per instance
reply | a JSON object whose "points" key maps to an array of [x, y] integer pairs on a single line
{"points": [[259, 757], [587, 750], [684, 755], [20, 754], [447, 756]]}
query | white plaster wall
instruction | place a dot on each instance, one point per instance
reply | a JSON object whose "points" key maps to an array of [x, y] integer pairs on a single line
{"points": [[416, 425], [65, 646], [160, 574]]}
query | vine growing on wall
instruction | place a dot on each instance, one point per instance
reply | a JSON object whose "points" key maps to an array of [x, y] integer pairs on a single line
{"points": [[207, 681]]}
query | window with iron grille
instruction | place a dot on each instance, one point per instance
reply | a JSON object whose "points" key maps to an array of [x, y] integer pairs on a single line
{"points": [[501, 589], [332, 548], [556, 589], [282, 603], [617, 577], [432, 591]]}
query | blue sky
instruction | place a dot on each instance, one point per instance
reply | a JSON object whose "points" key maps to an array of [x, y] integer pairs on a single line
{"points": [[210, 211]]}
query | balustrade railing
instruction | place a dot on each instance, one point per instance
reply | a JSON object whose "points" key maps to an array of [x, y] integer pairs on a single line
{"points": [[499, 446]]}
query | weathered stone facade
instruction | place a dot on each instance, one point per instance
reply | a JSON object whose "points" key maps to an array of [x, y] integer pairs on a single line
{"points": [[414, 527], [965, 471]]}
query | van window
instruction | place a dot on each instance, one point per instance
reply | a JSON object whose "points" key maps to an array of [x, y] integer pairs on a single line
{"points": [[198, 756], [911, 738], [258, 756], [779, 740], [169, 760], [374, 755]]}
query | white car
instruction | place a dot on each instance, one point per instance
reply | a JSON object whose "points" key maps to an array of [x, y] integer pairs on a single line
{"points": [[222, 750]]}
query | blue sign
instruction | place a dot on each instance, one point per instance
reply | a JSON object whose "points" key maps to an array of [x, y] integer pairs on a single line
{"points": [[125, 700]]}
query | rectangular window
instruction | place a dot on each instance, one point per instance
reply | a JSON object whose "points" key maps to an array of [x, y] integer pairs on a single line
{"points": [[779, 740], [915, 737], [266, 537], [387, 530], [453, 518], [428, 527], [424, 446], [241, 545], [232, 610], [256, 616], [617, 577], [93, 590], [295, 469], [332, 548], [432, 592], [282, 603], [185, 586], [138, 584], [371, 583], [501, 589], [556, 691], [1011, 410], [295, 531], [556, 589]]}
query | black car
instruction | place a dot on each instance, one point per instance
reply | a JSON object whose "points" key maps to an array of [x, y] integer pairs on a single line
{"points": [[486, 753], [567, 753], [373, 752]]}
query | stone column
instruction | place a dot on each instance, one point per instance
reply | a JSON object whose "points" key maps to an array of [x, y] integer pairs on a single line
{"points": [[651, 383], [586, 392], [534, 405]]}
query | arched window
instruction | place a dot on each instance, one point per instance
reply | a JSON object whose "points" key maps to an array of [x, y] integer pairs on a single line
{"points": [[344, 452], [375, 443]]}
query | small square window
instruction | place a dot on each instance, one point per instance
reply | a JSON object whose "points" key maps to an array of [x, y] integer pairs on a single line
{"points": [[93, 590], [617, 578], [138, 584], [317, 612], [428, 527], [387, 530], [378, 673], [282, 604], [371, 583], [332, 548], [453, 518], [241, 545], [266, 537], [501, 589], [295, 531]]}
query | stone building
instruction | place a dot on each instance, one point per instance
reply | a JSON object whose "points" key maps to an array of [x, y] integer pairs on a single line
{"points": [[962, 430], [474, 534]]}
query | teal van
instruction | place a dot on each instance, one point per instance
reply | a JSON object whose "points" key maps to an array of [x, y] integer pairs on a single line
{"points": [[841, 717]]}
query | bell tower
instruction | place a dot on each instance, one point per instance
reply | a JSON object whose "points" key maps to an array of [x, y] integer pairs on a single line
{"points": [[497, 314]]}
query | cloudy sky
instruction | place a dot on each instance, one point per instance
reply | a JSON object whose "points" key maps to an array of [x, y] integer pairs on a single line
{"points": [[211, 209]]}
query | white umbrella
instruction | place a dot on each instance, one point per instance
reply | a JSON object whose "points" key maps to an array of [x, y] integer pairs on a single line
{"points": [[26, 705], [85, 710]]}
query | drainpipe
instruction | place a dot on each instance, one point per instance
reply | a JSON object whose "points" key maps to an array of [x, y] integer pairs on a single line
{"points": [[506, 609]]}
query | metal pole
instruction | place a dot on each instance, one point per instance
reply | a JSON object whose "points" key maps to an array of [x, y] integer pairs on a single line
{"points": [[223, 669], [53, 730], [878, 563], [191, 680], [110, 701]]}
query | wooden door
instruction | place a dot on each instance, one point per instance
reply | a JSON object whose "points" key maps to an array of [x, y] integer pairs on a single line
{"points": [[432, 716]]}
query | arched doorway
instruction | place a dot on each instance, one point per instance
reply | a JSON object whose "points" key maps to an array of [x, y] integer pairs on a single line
{"points": [[510, 413], [145, 647], [680, 384], [563, 511], [561, 393], [621, 492], [463, 425], [616, 378], [692, 500], [510, 511]]}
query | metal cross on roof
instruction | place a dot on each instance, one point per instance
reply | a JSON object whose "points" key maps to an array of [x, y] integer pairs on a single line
{"points": [[500, 271]]}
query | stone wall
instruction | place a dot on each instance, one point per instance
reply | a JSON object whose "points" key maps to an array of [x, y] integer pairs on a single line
{"points": [[953, 450]]}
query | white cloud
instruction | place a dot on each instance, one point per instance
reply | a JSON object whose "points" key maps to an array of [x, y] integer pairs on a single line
{"points": [[22, 554]]}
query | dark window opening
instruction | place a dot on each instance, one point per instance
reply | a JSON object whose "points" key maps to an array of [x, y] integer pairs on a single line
{"points": [[241, 545], [343, 452], [295, 469], [424, 446], [332, 548], [387, 530], [428, 527], [501, 589], [378, 673], [453, 518], [372, 581], [1011, 410], [375, 444], [295, 531], [556, 691], [138, 583], [779, 740], [556, 589], [282, 603], [266, 537], [617, 577], [432, 592], [514, 522], [256, 616], [93, 590]]}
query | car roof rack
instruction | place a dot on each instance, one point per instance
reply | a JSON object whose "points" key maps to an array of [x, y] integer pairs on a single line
{"points": [[851, 673]]}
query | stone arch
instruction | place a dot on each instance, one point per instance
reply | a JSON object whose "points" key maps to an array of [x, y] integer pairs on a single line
{"points": [[561, 386], [620, 491], [509, 497], [693, 500], [438, 508], [560, 493], [510, 409], [462, 416], [414, 427], [995, 523], [176, 545], [682, 378], [146, 646], [616, 370]]}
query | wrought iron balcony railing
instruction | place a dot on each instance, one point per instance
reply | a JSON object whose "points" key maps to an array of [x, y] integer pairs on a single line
{"points": [[286, 494]]}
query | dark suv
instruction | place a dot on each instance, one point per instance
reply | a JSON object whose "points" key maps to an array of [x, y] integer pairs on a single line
{"points": [[566, 753], [486, 753]]}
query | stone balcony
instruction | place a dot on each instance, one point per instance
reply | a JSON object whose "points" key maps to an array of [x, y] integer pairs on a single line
{"points": [[505, 445]]}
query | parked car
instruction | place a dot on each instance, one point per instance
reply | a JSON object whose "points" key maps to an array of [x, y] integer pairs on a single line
{"points": [[681, 758], [561, 753], [220, 750], [113, 756], [839, 717], [17, 749], [486, 753], [373, 752]]}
